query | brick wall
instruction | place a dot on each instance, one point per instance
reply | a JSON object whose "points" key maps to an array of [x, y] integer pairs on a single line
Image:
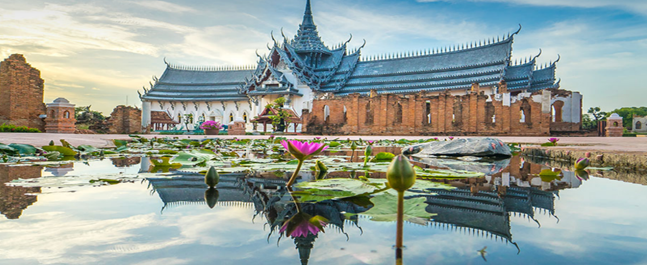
{"points": [[431, 114], [21, 93], [125, 120]]}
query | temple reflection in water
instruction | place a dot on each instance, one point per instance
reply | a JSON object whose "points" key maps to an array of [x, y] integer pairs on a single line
{"points": [[479, 206]]}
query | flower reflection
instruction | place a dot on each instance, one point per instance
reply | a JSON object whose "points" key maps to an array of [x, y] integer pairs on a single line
{"points": [[302, 224]]}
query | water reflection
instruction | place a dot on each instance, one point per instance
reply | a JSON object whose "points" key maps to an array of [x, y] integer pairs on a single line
{"points": [[481, 207], [270, 199], [13, 200]]}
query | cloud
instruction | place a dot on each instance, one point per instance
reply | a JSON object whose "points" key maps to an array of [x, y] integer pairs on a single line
{"points": [[165, 6], [60, 31], [634, 6]]}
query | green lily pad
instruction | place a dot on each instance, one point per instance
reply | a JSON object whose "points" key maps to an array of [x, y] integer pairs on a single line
{"points": [[383, 157], [119, 143], [7, 149], [329, 189], [443, 173], [386, 209], [61, 149], [24, 149], [88, 148]]}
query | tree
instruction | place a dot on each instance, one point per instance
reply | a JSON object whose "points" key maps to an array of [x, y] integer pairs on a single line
{"points": [[84, 115], [588, 123], [598, 115]]}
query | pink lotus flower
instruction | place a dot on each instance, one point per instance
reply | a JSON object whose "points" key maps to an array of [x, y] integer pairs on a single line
{"points": [[451, 138], [370, 142], [302, 224], [553, 140], [303, 150]]}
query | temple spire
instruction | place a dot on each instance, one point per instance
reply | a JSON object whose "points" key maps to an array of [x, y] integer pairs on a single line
{"points": [[308, 21], [307, 38]]}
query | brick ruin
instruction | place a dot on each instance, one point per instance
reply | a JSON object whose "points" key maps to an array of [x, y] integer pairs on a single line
{"points": [[21, 93], [476, 113], [125, 120], [60, 117]]}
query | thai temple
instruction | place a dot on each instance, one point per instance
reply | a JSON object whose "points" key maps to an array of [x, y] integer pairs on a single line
{"points": [[304, 69]]}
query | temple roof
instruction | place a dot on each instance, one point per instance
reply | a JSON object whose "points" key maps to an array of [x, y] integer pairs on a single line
{"points": [[426, 71], [196, 84], [341, 71]]}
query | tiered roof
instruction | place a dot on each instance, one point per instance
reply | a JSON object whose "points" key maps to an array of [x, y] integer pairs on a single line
{"points": [[180, 83], [342, 71]]}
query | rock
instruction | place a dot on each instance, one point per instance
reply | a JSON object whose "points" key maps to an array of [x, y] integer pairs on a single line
{"points": [[461, 147], [485, 166]]}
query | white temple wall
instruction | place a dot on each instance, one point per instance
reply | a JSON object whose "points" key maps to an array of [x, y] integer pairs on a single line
{"points": [[572, 109], [219, 111]]}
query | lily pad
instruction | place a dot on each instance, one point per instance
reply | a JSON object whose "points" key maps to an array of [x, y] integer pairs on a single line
{"points": [[61, 149], [383, 157], [24, 149], [386, 205], [88, 148], [7, 149], [330, 189]]}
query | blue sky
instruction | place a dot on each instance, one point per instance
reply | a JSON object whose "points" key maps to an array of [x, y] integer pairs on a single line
{"points": [[100, 53]]}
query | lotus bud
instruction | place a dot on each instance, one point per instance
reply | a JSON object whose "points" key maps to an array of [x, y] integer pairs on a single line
{"points": [[582, 174], [211, 196], [400, 175], [321, 167], [582, 163], [353, 146], [212, 178], [51, 143], [367, 154]]}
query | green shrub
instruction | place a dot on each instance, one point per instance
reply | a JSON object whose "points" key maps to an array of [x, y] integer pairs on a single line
{"points": [[18, 129]]}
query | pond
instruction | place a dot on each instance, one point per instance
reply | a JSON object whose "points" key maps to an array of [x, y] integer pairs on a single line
{"points": [[115, 210]]}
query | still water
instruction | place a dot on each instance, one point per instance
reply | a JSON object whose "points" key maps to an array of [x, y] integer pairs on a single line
{"points": [[54, 215]]}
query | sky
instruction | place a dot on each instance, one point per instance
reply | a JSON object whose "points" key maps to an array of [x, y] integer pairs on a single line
{"points": [[101, 52]]}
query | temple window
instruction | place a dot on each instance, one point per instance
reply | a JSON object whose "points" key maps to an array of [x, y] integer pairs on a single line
{"points": [[490, 113], [557, 111], [526, 116], [231, 117], [345, 114], [52, 114], [245, 117], [428, 112], [66, 115], [398, 113], [639, 125], [523, 117], [326, 113], [457, 116], [369, 114]]}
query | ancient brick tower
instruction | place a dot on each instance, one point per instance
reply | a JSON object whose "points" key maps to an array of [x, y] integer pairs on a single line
{"points": [[60, 117], [21, 93]]}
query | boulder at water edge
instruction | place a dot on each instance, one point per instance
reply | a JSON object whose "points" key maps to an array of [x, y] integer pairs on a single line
{"points": [[461, 147]]}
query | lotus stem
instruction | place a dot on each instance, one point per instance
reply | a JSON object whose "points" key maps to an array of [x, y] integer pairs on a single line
{"points": [[398, 238], [295, 174]]}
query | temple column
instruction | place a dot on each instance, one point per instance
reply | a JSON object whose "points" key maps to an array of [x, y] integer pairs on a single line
{"points": [[146, 114]]}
